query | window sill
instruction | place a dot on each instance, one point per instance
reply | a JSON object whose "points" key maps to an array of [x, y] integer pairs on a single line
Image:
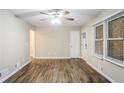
{"points": [[113, 61], [98, 56]]}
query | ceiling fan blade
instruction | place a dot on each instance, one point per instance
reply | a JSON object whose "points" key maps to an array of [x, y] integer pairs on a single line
{"points": [[55, 10], [44, 19], [69, 18], [66, 12], [44, 13], [29, 14]]}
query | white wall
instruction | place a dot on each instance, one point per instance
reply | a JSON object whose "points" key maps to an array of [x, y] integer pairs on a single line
{"points": [[53, 41], [113, 71], [14, 41]]}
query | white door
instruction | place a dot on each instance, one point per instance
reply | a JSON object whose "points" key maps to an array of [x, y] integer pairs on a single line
{"points": [[75, 44]]}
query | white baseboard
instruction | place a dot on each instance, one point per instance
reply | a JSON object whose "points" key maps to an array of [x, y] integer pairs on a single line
{"points": [[9, 75], [52, 57], [103, 74]]}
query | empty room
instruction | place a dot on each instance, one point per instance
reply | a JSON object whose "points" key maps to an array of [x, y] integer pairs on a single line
{"points": [[61, 45]]}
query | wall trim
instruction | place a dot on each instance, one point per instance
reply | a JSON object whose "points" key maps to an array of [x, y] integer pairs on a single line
{"points": [[103, 74], [11, 74], [52, 57]]}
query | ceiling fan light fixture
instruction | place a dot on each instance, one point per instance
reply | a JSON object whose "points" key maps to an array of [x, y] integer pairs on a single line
{"points": [[56, 21], [52, 21], [60, 15], [51, 13]]}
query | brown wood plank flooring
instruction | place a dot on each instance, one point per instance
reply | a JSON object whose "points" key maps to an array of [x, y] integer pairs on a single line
{"points": [[57, 71]]}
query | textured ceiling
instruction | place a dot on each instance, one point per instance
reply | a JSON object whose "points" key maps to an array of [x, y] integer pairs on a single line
{"points": [[33, 16]]}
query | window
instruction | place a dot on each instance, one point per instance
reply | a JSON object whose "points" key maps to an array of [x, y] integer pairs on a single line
{"points": [[115, 39], [99, 40], [109, 39]]}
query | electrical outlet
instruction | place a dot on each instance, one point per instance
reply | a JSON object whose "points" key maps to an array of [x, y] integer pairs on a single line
{"points": [[17, 65], [101, 68]]}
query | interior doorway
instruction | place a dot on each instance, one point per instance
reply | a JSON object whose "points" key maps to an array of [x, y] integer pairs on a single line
{"points": [[74, 44], [32, 44]]}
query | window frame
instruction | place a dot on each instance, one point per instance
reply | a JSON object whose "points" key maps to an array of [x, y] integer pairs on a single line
{"points": [[110, 59], [100, 56], [105, 23]]}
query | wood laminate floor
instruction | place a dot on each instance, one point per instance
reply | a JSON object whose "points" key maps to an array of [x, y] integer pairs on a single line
{"points": [[57, 71]]}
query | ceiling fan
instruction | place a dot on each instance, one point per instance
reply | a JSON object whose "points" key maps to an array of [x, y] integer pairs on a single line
{"points": [[55, 15]]}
